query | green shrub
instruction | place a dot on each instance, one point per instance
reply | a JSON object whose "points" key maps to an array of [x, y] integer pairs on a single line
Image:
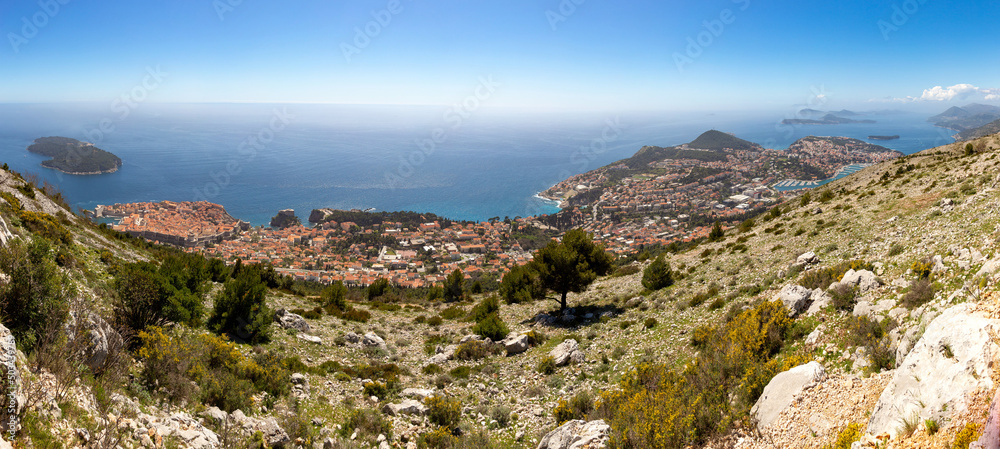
{"points": [[452, 313], [921, 292], [522, 284], [844, 297], [443, 411], [461, 372], [435, 320], [240, 309], [475, 350], [650, 322], [432, 368], [489, 305], [578, 407], [334, 296], [35, 300], [547, 365], [491, 327], [822, 277], [369, 424], [375, 388], [966, 436], [657, 275], [873, 336], [846, 437]]}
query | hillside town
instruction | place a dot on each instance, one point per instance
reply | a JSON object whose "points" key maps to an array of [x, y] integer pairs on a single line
{"points": [[627, 207]]}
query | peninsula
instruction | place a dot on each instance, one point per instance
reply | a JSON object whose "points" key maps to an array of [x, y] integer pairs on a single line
{"points": [[75, 157]]}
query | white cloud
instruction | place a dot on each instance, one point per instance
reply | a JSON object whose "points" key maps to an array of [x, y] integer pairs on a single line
{"points": [[939, 93]]}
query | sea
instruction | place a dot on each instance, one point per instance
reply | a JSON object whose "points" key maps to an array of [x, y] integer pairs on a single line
{"points": [[257, 159]]}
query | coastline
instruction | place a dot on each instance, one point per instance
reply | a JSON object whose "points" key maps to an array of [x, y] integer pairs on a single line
{"points": [[559, 202], [82, 173]]}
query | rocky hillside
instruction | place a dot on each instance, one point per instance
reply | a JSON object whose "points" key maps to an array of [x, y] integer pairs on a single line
{"points": [[885, 336]]}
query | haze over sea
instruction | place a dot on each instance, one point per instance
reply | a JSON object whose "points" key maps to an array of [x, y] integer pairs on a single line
{"points": [[487, 164]]}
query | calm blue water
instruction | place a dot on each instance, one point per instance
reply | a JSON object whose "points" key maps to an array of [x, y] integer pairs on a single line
{"points": [[258, 159]]}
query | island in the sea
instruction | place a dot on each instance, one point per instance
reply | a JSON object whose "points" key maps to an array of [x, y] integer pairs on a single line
{"points": [[75, 157], [828, 119], [892, 137]]}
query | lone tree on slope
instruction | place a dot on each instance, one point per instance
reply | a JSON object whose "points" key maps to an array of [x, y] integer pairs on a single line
{"points": [[571, 265]]}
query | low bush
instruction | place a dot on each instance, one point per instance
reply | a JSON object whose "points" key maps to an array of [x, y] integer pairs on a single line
{"points": [[822, 277], [369, 424], [650, 322], [547, 365], [452, 313], [443, 411], [921, 292], [846, 437], [844, 297], [578, 407], [491, 327], [476, 350]]}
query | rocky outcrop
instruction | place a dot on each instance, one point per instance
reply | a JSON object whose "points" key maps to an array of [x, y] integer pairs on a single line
{"points": [[516, 344], [566, 352], [319, 215], [805, 259], [795, 298], [417, 393], [273, 434], [951, 360], [284, 219], [577, 434], [372, 340], [11, 377], [289, 320], [94, 337], [864, 280], [407, 407], [782, 389]]}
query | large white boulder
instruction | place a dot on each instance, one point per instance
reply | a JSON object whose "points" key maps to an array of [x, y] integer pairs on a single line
{"points": [[795, 298], [864, 280], [406, 407], [566, 352], [782, 389], [577, 434], [951, 360], [289, 320], [516, 344], [97, 339]]}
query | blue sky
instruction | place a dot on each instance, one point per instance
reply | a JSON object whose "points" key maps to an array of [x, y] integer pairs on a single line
{"points": [[706, 55]]}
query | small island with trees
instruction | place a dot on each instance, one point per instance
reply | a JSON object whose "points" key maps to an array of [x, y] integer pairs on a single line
{"points": [[893, 137], [75, 157]]}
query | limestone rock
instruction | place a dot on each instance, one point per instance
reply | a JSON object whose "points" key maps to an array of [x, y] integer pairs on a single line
{"points": [[417, 393], [289, 320], [566, 352], [407, 407], [781, 390], [468, 338], [577, 434], [372, 340], [443, 355], [96, 337], [951, 359], [808, 258], [516, 344], [865, 307], [351, 337], [864, 280], [310, 338], [795, 298], [215, 415], [818, 300]]}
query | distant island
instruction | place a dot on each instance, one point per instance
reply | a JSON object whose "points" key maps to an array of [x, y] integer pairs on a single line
{"points": [[966, 118], [75, 157], [893, 137], [828, 119]]}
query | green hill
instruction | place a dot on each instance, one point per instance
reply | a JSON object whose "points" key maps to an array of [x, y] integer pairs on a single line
{"points": [[74, 157], [717, 141], [982, 131]]}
